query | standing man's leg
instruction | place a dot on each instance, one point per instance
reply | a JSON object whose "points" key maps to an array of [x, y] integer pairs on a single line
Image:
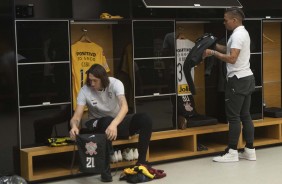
{"points": [[233, 105], [248, 126], [249, 152]]}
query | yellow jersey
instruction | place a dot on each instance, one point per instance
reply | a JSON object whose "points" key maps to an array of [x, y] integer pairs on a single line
{"points": [[84, 55]]}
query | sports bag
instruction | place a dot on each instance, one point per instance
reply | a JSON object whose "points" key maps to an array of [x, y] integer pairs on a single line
{"points": [[202, 43], [93, 149], [195, 57]]}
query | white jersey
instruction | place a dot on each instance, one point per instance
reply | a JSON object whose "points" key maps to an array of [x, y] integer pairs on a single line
{"points": [[183, 47], [102, 103]]}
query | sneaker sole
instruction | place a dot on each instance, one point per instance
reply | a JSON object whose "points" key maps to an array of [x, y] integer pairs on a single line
{"points": [[225, 161], [251, 159]]}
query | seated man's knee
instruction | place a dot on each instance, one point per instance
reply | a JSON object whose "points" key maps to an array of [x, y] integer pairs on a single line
{"points": [[104, 122]]}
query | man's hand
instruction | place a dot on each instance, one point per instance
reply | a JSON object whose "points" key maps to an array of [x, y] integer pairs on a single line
{"points": [[73, 132], [207, 53], [111, 132]]}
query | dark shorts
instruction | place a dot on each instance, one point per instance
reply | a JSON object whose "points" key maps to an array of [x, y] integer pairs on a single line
{"points": [[104, 122]]}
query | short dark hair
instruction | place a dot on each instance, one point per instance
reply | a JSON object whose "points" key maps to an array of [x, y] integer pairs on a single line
{"points": [[236, 12], [98, 71]]}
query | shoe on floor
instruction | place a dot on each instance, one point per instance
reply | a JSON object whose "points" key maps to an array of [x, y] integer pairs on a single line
{"points": [[248, 154], [230, 155], [106, 177]]}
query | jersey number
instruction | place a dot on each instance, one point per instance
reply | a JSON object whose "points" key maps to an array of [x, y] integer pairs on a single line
{"points": [[81, 78], [179, 65], [90, 162]]}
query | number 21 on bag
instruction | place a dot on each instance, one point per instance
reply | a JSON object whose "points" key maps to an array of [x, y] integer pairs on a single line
{"points": [[90, 162]]}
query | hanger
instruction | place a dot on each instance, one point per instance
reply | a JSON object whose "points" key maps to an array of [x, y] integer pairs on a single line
{"points": [[180, 33], [269, 39], [84, 37]]}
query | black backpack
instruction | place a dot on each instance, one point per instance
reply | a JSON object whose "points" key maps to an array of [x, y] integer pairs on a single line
{"points": [[93, 150], [195, 57]]}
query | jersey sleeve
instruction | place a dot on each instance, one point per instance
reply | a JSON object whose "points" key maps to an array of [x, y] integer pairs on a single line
{"points": [[81, 98], [104, 62], [118, 88], [237, 42]]}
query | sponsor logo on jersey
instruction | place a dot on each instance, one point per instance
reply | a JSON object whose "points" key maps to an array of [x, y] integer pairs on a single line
{"points": [[94, 102], [93, 54], [85, 64], [183, 50], [183, 89]]}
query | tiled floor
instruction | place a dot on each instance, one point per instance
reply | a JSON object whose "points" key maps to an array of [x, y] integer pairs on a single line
{"points": [[266, 170]]}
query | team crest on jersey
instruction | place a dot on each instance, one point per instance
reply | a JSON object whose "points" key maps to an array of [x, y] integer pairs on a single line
{"points": [[91, 148], [110, 94]]}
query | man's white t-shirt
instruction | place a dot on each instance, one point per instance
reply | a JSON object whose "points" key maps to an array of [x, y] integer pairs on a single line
{"points": [[102, 103], [239, 39]]}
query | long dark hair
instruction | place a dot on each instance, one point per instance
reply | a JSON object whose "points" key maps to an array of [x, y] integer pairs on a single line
{"points": [[98, 71]]}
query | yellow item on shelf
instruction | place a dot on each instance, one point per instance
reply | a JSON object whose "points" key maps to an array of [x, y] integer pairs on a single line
{"points": [[109, 16], [62, 141]]}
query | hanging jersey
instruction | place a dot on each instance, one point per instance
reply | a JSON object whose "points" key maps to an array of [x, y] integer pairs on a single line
{"points": [[183, 47], [84, 55]]}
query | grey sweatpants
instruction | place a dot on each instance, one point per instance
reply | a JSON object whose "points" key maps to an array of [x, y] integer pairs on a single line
{"points": [[237, 107]]}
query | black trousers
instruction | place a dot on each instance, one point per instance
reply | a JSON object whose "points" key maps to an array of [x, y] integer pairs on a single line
{"points": [[237, 106], [139, 123]]}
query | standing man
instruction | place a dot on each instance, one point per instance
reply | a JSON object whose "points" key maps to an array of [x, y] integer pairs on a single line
{"points": [[107, 111], [240, 84]]}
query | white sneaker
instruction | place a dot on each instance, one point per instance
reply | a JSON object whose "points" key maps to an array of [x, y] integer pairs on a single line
{"points": [[248, 154], [114, 157], [119, 156], [230, 156], [135, 154], [127, 154]]}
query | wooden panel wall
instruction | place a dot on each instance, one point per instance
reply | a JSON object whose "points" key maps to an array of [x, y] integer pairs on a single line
{"points": [[192, 31], [272, 63]]}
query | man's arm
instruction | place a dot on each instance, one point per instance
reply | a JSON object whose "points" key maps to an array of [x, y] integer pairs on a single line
{"points": [[111, 131], [220, 48], [75, 120], [232, 58]]}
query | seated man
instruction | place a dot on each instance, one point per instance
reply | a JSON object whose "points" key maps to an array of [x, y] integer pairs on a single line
{"points": [[107, 106]]}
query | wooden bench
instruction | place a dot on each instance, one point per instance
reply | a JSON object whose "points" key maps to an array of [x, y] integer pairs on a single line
{"points": [[45, 162]]}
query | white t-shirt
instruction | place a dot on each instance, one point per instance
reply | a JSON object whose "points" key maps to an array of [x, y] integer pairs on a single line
{"points": [[239, 39], [183, 47], [102, 103]]}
